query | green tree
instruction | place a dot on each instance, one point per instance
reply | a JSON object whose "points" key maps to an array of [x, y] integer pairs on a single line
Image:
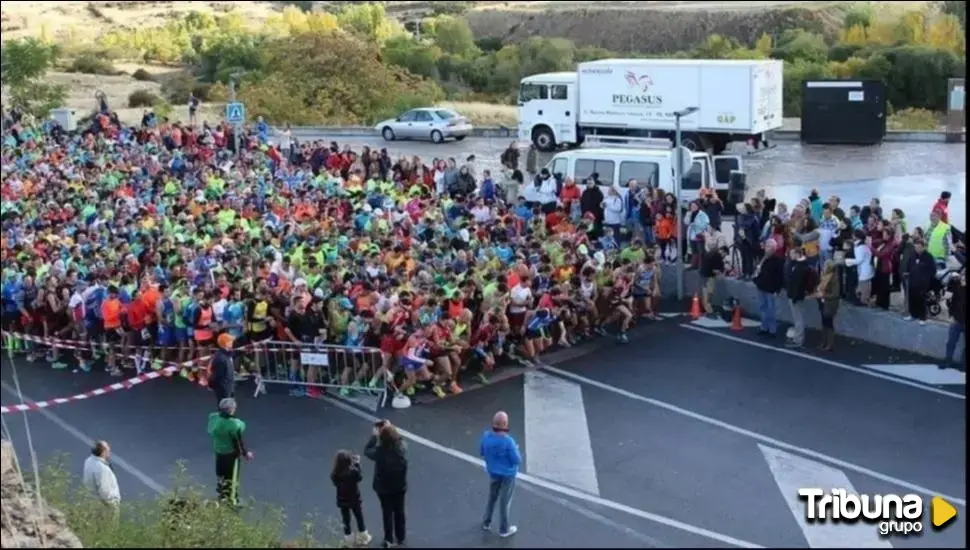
{"points": [[918, 76], [860, 15], [957, 9], [23, 64], [592, 53], [227, 54], [546, 55], [330, 79], [716, 46], [454, 36], [369, 22], [796, 44], [416, 56]]}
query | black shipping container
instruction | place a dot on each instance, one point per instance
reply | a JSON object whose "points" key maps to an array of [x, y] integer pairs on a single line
{"points": [[843, 112]]}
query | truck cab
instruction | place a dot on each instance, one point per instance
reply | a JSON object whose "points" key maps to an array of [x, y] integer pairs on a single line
{"points": [[649, 162], [548, 105]]}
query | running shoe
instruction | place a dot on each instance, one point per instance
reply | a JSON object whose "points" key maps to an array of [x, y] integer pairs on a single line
{"points": [[314, 393], [297, 392], [454, 388], [374, 382], [345, 392], [409, 392], [58, 365], [157, 364], [116, 372], [438, 391], [84, 366], [622, 338], [482, 378]]}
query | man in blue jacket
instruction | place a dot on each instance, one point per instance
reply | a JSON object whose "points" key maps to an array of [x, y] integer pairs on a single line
{"points": [[502, 460]]}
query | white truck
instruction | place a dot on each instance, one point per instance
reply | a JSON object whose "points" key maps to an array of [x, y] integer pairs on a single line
{"points": [[735, 100]]}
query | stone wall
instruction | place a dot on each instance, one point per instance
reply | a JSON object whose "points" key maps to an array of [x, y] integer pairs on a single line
{"points": [[21, 523]]}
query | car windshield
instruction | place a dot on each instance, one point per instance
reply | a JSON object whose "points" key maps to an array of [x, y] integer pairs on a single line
{"points": [[447, 115]]}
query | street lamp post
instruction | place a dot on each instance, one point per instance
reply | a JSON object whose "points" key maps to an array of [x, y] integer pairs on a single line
{"points": [[232, 97], [679, 177]]}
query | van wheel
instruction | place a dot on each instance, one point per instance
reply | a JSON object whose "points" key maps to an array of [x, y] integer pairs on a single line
{"points": [[543, 139]]}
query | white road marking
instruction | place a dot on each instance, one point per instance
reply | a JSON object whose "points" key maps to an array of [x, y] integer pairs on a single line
{"points": [[669, 315], [707, 322], [845, 465], [830, 363], [557, 442], [792, 473], [87, 441], [927, 373], [557, 488]]}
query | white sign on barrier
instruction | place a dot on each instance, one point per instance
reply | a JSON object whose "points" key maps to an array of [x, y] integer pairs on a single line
{"points": [[315, 359]]}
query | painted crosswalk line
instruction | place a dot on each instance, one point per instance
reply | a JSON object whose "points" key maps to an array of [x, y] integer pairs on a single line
{"points": [[791, 473], [707, 322], [557, 441], [927, 373]]}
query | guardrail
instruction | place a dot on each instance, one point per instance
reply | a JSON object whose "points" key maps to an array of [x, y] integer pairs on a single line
{"points": [[899, 136]]}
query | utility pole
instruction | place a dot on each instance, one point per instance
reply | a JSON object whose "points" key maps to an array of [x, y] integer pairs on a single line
{"points": [[678, 183]]}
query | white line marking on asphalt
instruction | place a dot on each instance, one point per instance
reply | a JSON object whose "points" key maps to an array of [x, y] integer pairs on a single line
{"points": [[557, 443], [755, 435], [706, 322], [792, 473], [829, 362], [88, 441], [927, 373], [557, 488]]}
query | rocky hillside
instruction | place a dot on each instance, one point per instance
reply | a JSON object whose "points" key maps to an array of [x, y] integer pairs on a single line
{"points": [[21, 523]]}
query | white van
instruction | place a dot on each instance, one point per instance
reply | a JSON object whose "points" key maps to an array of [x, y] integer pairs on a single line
{"points": [[649, 161]]}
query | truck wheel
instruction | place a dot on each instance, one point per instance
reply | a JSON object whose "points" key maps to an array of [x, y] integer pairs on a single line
{"points": [[544, 139]]}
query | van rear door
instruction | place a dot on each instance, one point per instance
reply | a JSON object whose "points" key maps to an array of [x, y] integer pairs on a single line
{"points": [[723, 166]]}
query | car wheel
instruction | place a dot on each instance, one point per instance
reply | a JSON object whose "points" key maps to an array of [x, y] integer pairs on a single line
{"points": [[460, 138], [935, 310], [388, 133], [437, 136]]}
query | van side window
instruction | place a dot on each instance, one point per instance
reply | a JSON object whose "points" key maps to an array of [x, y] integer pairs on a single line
{"points": [[559, 167], [646, 173], [558, 91], [694, 179], [586, 167]]}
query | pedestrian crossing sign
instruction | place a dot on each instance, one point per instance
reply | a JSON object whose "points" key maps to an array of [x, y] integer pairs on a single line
{"points": [[235, 113]]}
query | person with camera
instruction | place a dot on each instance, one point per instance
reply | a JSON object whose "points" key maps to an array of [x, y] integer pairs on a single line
{"points": [[346, 477], [957, 306], [389, 453]]}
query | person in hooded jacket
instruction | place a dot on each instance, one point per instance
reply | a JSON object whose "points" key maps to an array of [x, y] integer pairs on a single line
{"points": [[389, 453], [222, 371], [921, 271], [591, 202], [747, 234]]}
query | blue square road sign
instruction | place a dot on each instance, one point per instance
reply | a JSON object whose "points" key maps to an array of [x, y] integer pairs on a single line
{"points": [[235, 113]]}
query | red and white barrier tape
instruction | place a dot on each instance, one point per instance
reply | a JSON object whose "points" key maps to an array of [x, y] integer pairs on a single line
{"points": [[123, 385]]}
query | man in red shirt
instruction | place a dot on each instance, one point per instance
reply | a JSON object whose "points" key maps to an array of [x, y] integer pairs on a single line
{"points": [[139, 338], [943, 206]]}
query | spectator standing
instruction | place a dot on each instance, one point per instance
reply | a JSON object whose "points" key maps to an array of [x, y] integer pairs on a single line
{"points": [[861, 260], [222, 370], [226, 432], [769, 279], [713, 207], [957, 307], [886, 260], [346, 477], [389, 453], [799, 277], [591, 202], [613, 211], [921, 271], [546, 191], [510, 158], [938, 238], [193, 108], [285, 139], [502, 460], [697, 223], [99, 477], [942, 206], [746, 235], [829, 295]]}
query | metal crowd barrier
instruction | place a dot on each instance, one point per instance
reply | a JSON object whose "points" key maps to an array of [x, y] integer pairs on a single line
{"points": [[310, 369]]}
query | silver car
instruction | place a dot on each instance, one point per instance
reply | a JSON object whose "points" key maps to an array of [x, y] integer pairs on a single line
{"points": [[436, 124]]}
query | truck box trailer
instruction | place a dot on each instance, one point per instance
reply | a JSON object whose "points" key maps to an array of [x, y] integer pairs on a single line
{"points": [[734, 100]]}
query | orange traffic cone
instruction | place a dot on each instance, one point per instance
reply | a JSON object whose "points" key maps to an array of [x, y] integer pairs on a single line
{"points": [[736, 319], [695, 308]]}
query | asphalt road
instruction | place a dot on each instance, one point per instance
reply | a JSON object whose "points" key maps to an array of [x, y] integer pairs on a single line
{"points": [[902, 175], [671, 441]]}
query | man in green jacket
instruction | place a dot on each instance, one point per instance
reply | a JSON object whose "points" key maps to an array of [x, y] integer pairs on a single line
{"points": [[226, 432]]}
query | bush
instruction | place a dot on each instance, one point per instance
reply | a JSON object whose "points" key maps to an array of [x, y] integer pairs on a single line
{"points": [[142, 98], [914, 119], [330, 79], [143, 76], [182, 518], [89, 64]]}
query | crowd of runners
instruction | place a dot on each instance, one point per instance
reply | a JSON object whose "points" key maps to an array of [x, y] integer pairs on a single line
{"points": [[158, 239]]}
